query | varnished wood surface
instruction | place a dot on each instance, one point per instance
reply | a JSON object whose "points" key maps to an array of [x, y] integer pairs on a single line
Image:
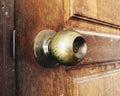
{"points": [[34, 80], [104, 10], [7, 66], [103, 84], [101, 48]]}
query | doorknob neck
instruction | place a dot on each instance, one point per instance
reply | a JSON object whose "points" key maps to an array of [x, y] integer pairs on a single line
{"points": [[66, 47]]}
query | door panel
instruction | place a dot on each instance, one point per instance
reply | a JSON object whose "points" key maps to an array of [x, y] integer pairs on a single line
{"points": [[103, 84], [103, 10], [80, 80], [100, 47]]}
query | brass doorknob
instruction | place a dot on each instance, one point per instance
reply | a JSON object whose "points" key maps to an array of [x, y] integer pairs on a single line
{"points": [[65, 47]]}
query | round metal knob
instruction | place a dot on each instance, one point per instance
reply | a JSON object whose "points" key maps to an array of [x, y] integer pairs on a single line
{"points": [[64, 47]]}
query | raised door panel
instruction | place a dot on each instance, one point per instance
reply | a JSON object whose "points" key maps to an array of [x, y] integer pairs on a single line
{"points": [[96, 75], [101, 10], [101, 84]]}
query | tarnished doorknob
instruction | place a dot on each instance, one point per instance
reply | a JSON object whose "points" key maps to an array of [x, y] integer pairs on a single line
{"points": [[65, 47]]}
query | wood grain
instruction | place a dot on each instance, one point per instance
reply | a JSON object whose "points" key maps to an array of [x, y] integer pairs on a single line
{"points": [[32, 16], [7, 65], [103, 84], [33, 79], [101, 48], [103, 10]]}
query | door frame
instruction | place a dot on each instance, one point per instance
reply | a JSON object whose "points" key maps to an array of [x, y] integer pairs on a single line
{"points": [[7, 62]]}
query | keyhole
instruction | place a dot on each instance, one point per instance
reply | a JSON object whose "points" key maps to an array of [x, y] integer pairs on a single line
{"points": [[78, 44], [76, 47]]}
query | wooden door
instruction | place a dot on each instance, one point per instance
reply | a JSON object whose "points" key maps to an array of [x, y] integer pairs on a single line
{"points": [[98, 74]]}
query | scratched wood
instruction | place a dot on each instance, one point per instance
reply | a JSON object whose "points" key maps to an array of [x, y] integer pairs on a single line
{"points": [[31, 16], [7, 66]]}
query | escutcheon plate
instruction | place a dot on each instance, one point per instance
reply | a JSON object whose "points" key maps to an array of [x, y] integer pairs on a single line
{"points": [[41, 48]]}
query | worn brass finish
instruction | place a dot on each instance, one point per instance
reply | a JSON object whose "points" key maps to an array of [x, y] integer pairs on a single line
{"points": [[66, 47], [41, 48]]}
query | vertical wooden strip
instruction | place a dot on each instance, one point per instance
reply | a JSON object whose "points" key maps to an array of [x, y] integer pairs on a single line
{"points": [[1, 49], [31, 17], [7, 70]]}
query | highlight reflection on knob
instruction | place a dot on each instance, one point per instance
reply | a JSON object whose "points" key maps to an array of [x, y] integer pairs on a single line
{"points": [[65, 47]]}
